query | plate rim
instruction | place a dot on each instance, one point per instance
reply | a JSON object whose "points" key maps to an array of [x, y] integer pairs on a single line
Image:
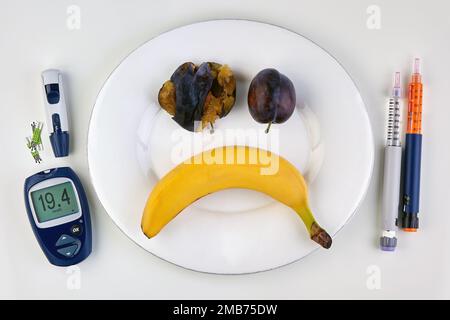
{"points": [[366, 115]]}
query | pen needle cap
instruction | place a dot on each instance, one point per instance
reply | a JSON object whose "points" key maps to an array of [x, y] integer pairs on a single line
{"points": [[396, 92], [397, 80], [417, 65]]}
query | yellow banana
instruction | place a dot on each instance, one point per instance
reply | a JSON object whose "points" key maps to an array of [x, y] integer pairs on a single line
{"points": [[224, 168]]}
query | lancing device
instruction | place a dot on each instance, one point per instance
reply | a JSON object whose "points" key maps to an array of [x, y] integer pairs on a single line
{"points": [[392, 171], [413, 152], [55, 106]]}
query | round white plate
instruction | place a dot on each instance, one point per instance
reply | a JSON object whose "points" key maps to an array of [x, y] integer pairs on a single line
{"points": [[132, 143]]}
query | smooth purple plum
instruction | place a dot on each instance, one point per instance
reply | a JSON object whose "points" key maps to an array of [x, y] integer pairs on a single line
{"points": [[271, 97]]}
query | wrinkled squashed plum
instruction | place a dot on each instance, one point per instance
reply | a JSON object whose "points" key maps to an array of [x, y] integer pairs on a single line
{"points": [[198, 93]]}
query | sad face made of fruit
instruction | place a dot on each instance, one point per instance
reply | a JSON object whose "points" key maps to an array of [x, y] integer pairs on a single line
{"points": [[206, 93]]}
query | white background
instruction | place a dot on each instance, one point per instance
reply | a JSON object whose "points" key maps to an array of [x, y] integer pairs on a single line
{"points": [[34, 36]]}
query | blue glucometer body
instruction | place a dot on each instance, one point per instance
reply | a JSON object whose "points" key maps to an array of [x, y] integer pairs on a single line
{"points": [[58, 211]]}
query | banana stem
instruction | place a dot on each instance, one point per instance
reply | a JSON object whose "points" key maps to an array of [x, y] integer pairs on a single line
{"points": [[268, 127], [211, 131]]}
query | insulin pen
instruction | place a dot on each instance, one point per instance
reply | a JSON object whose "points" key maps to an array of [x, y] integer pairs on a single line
{"points": [[392, 171], [413, 150]]}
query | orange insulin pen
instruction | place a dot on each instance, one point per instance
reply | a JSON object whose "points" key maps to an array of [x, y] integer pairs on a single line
{"points": [[413, 150]]}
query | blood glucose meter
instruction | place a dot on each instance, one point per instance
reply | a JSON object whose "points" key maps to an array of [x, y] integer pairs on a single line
{"points": [[58, 211]]}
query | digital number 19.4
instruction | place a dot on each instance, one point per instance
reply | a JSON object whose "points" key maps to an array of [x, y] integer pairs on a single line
{"points": [[48, 199]]}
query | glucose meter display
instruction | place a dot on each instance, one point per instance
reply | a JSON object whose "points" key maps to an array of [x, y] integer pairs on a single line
{"points": [[54, 202]]}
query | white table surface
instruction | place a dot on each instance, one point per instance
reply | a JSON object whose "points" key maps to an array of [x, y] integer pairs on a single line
{"points": [[34, 36]]}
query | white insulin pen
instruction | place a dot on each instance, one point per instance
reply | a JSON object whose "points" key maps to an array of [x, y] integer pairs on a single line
{"points": [[392, 171]]}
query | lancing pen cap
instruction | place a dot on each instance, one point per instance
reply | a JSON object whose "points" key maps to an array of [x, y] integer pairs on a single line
{"points": [[55, 107]]}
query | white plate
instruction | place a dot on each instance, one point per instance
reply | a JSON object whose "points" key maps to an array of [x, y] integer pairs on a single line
{"points": [[131, 144]]}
